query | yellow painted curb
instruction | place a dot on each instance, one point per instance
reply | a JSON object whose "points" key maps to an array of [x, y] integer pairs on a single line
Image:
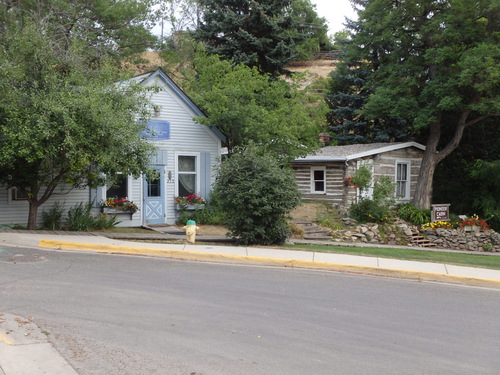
{"points": [[4, 339], [292, 263]]}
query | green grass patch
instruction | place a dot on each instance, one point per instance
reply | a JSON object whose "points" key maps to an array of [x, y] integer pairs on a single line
{"points": [[468, 260]]}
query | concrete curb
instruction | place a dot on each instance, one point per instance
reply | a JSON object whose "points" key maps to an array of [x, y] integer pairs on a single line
{"points": [[25, 350], [280, 261]]}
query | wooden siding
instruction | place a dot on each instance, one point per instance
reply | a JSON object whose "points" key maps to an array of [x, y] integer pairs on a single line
{"points": [[341, 196], [334, 177], [185, 136], [15, 212]]}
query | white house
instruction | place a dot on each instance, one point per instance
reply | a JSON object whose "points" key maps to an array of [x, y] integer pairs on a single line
{"points": [[186, 157]]}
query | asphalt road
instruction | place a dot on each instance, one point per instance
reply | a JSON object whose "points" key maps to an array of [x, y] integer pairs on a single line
{"points": [[119, 315]]}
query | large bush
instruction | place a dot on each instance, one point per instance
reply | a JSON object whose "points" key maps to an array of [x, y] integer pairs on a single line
{"points": [[256, 194]]}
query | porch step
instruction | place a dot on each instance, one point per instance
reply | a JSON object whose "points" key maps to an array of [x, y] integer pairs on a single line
{"points": [[312, 231], [419, 240]]}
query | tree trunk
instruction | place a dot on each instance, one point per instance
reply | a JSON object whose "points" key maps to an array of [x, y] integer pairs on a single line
{"points": [[33, 212], [423, 190], [431, 158]]}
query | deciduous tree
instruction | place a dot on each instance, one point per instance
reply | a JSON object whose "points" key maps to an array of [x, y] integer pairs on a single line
{"points": [[62, 124], [249, 108], [433, 61]]}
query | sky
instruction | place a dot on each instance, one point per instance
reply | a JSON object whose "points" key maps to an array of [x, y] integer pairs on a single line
{"points": [[335, 12]]}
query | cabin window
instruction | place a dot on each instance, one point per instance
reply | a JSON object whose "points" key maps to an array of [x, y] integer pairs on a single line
{"points": [[318, 180], [119, 189], [402, 180], [188, 176]]}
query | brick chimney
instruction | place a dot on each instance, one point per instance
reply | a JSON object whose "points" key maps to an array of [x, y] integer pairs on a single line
{"points": [[324, 138]]}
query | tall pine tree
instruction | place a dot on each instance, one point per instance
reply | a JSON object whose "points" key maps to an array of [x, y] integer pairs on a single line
{"points": [[347, 94], [254, 33]]}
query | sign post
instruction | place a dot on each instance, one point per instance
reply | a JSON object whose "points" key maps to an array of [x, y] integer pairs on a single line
{"points": [[440, 212]]}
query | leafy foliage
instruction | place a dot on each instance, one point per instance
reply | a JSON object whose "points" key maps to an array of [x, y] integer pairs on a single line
{"points": [[409, 212], [432, 63], [211, 214], [248, 108], [61, 123], [314, 28], [362, 179], [104, 28], [53, 219], [346, 96], [377, 208], [487, 178], [256, 194], [80, 218]]}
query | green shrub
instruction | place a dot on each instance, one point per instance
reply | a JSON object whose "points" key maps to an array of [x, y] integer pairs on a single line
{"points": [[80, 218], [209, 215], [106, 222], [413, 214], [377, 209], [256, 195], [53, 219], [362, 179], [368, 210]]}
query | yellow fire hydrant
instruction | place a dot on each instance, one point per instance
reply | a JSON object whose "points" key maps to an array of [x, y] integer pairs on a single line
{"points": [[190, 229]]}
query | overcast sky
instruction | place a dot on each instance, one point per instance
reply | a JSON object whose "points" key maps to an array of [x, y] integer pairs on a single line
{"points": [[335, 12]]}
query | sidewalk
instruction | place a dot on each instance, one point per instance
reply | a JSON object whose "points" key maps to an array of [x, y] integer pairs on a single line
{"points": [[97, 242], [24, 350]]}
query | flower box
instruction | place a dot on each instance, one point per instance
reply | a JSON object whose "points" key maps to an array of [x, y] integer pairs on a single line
{"points": [[189, 207], [115, 211]]}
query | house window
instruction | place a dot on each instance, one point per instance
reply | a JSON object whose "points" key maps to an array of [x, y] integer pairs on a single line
{"points": [[119, 189], [318, 180], [18, 195], [187, 175], [402, 180]]}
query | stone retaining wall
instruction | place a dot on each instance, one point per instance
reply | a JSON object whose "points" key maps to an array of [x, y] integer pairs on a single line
{"points": [[465, 238], [403, 233]]}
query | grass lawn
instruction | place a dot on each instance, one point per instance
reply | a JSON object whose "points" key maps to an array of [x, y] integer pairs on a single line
{"points": [[468, 260]]}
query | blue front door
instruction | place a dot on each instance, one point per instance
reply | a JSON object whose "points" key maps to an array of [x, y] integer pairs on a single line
{"points": [[154, 198]]}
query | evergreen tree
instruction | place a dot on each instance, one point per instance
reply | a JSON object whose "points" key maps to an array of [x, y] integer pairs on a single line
{"points": [[255, 33], [347, 94], [314, 28]]}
